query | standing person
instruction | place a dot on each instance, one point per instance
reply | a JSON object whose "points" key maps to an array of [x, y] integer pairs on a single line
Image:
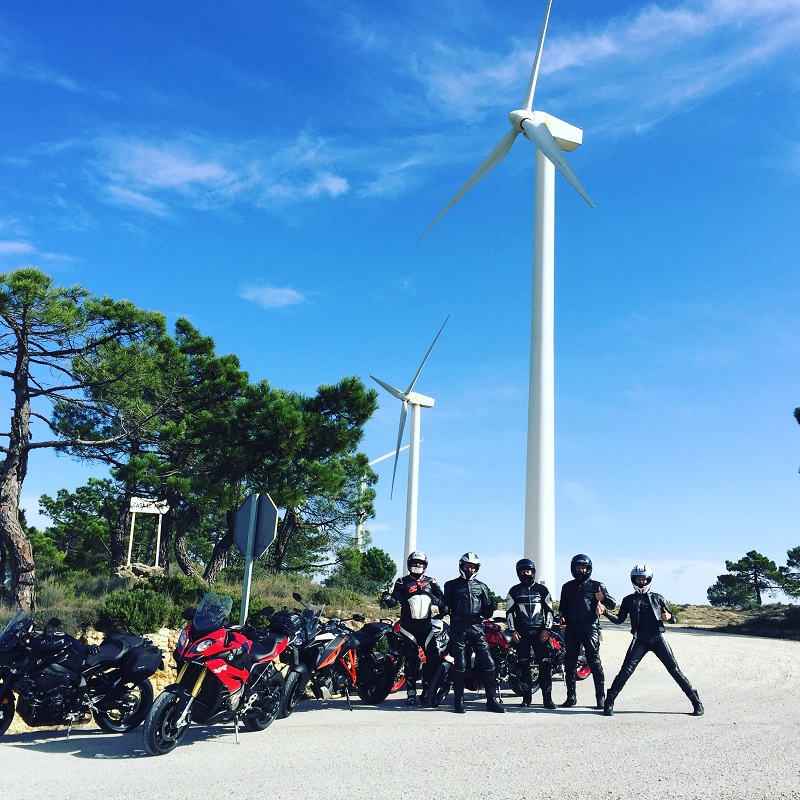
{"points": [[417, 593], [582, 601], [648, 612], [529, 614], [470, 603]]}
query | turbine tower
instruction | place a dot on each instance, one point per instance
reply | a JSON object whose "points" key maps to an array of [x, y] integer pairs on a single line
{"points": [[550, 135], [417, 401]]}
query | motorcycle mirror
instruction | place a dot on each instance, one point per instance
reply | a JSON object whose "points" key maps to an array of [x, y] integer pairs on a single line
{"points": [[200, 594], [298, 598], [359, 617], [188, 614], [54, 623]]}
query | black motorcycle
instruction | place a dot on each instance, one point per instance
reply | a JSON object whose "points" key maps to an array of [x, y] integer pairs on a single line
{"points": [[332, 658], [49, 678]]}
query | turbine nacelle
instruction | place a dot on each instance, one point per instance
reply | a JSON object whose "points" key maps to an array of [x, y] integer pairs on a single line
{"points": [[417, 399], [568, 137]]}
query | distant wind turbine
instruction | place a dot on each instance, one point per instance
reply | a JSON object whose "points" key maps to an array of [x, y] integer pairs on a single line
{"points": [[416, 400], [550, 136]]}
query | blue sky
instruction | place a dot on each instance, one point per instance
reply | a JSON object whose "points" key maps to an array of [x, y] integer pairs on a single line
{"points": [[265, 169]]}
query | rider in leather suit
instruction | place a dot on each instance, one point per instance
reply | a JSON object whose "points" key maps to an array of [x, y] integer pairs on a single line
{"points": [[469, 602], [416, 593], [582, 600], [529, 615], [647, 611]]}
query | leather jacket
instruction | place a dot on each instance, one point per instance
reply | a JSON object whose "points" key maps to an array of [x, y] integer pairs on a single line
{"points": [[468, 601], [416, 594], [578, 605], [529, 609], [634, 605]]}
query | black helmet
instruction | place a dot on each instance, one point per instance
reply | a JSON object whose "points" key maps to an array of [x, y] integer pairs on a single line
{"points": [[526, 563], [468, 558], [580, 560], [642, 571], [417, 555]]}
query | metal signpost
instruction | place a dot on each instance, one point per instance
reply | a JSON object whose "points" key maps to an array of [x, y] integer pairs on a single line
{"points": [[143, 505], [254, 529]]}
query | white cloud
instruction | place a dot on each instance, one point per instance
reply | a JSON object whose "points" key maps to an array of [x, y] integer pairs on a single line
{"points": [[271, 297], [11, 248], [137, 200]]}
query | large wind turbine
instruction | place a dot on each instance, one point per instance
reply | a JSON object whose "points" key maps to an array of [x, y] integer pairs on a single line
{"points": [[416, 400], [550, 136]]}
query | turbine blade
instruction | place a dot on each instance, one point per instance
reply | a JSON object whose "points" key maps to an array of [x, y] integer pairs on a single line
{"points": [[411, 385], [540, 135], [528, 102], [392, 391], [489, 163], [403, 415]]}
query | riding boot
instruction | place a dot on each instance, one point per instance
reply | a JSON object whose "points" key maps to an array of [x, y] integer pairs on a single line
{"points": [[411, 692], [608, 705], [423, 698], [493, 701], [526, 696], [547, 699], [599, 691], [697, 706], [458, 693], [571, 696]]}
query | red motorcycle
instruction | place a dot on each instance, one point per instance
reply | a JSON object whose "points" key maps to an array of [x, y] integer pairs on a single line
{"points": [[222, 675]]}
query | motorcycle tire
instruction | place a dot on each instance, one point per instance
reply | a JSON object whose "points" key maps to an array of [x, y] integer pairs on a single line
{"points": [[375, 678], [266, 708], [7, 710], [291, 695], [513, 681], [441, 683], [127, 712], [161, 733]]}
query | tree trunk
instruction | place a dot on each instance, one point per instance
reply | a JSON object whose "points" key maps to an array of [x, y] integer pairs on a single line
{"points": [[286, 528], [219, 556], [191, 517], [120, 533]]}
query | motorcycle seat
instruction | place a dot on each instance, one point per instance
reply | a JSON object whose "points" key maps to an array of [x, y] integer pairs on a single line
{"points": [[115, 648], [269, 647]]}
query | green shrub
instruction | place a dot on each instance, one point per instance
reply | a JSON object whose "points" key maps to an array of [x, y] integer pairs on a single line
{"points": [[138, 611]]}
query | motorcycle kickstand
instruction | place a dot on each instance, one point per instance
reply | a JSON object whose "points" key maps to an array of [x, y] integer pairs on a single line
{"points": [[69, 729], [347, 697], [236, 729]]}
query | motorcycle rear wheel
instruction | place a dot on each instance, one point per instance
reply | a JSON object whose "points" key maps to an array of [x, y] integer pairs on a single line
{"points": [[291, 695], [266, 708], [7, 709], [161, 731], [127, 712], [441, 683], [375, 678]]}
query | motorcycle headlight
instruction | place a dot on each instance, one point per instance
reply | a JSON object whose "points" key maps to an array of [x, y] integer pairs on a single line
{"points": [[202, 645], [181, 640]]}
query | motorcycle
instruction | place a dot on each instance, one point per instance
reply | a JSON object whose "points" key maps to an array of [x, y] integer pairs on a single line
{"points": [[332, 658], [222, 675], [58, 680], [499, 647]]}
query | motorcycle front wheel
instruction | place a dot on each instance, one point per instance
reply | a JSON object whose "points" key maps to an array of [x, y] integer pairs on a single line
{"points": [[516, 687], [267, 706], [375, 678], [162, 733], [124, 713], [441, 684], [291, 694], [7, 709]]}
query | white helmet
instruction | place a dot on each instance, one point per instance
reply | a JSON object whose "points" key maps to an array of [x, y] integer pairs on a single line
{"points": [[421, 558], [468, 558], [642, 571]]}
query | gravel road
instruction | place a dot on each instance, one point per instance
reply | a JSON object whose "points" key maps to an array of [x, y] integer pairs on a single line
{"points": [[746, 746]]}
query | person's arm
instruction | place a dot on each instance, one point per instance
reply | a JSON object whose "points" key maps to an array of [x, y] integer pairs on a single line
{"points": [[509, 613], [563, 604], [607, 600], [618, 619], [666, 614], [397, 592], [438, 596]]}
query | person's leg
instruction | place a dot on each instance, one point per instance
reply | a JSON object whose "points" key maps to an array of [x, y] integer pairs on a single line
{"points": [[572, 643], [543, 653], [523, 648], [664, 652], [634, 655], [590, 638]]}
